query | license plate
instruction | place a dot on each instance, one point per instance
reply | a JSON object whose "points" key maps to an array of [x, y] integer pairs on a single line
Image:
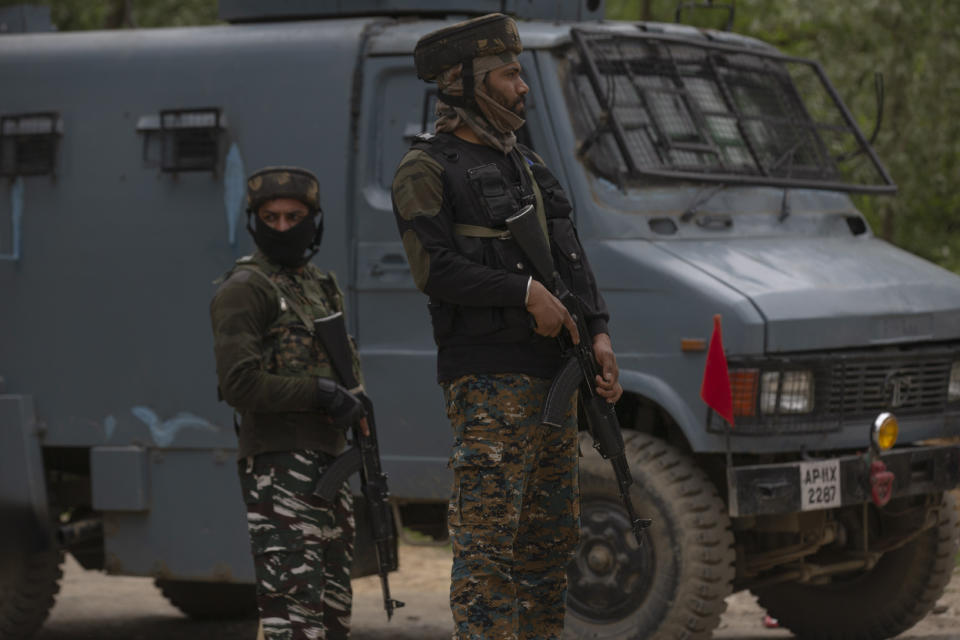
{"points": [[819, 484]]}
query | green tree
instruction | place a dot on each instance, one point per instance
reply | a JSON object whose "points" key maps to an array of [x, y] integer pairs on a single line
{"points": [[70, 15]]}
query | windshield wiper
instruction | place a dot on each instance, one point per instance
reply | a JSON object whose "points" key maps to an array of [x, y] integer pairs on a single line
{"points": [[711, 220], [784, 203], [784, 206], [690, 212]]}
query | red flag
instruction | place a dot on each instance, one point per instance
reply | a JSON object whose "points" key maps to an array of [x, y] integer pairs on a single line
{"points": [[715, 389]]}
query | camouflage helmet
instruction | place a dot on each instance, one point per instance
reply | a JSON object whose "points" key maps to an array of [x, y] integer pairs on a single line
{"points": [[442, 49], [282, 182]]}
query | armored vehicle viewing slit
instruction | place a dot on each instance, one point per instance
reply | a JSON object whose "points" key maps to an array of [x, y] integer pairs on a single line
{"points": [[709, 174]]}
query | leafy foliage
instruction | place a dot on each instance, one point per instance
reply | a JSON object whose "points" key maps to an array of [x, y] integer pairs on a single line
{"points": [[916, 46], [69, 15]]}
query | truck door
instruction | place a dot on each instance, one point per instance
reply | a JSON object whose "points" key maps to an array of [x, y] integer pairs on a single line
{"points": [[392, 324]]}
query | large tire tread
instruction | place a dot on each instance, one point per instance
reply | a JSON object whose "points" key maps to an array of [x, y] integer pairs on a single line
{"points": [[916, 574], [210, 600], [695, 525], [26, 605]]}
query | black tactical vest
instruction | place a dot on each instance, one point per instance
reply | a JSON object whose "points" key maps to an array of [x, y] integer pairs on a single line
{"points": [[483, 194]]}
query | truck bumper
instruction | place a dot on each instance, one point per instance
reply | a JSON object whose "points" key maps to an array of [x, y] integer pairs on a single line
{"points": [[771, 489]]}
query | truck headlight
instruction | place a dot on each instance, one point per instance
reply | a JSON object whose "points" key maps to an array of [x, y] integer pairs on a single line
{"points": [[953, 390], [795, 389]]}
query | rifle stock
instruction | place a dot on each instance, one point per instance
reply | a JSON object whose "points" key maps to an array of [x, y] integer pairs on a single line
{"points": [[601, 417], [363, 456]]}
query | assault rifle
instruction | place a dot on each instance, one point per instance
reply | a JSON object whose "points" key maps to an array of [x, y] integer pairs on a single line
{"points": [[581, 368], [363, 456]]}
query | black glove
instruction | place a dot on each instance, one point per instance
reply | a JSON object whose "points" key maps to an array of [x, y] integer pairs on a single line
{"points": [[344, 407]]}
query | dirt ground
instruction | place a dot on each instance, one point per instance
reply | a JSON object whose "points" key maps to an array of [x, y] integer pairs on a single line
{"points": [[93, 606]]}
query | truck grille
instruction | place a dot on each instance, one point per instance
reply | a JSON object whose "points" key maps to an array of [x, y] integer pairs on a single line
{"points": [[847, 388], [905, 385]]}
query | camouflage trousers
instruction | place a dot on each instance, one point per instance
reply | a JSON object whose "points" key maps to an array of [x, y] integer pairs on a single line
{"points": [[302, 546], [514, 513]]}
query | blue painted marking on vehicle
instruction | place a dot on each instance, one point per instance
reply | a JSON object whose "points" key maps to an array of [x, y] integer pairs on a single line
{"points": [[109, 426], [234, 191], [16, 207], [164, 432]]}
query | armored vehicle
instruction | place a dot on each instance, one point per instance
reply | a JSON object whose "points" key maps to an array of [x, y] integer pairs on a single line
{"points": [[710, 175]]}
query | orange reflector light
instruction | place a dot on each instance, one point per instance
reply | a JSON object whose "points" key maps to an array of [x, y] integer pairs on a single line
{"points": [[885, 430], [693, 344], [744, 384]]}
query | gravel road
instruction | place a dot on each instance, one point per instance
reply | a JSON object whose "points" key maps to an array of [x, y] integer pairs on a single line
{"points": [[93, 606]]}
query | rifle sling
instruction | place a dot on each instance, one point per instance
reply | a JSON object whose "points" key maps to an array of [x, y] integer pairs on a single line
{"points": [[282, 299], [541, 213], [478, 231]]}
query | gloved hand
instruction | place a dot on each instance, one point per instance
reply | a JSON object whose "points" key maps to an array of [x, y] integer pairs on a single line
{"points": [[344, 407]]}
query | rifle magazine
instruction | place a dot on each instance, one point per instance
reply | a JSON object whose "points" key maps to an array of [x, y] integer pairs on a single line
{"points": [[344, 466], [564, 385]]}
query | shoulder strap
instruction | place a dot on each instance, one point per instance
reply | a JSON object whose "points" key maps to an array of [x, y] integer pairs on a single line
{"points": [[331, 288], [424, 142], [282, 299], [441, 147], [531, 156], [541, 212], [476, 231]]}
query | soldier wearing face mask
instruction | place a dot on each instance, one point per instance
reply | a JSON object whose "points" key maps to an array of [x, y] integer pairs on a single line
{"points": [[293, 410]]}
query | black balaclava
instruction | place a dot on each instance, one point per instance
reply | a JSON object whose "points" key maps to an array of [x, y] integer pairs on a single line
{"points": [[293, 247]]}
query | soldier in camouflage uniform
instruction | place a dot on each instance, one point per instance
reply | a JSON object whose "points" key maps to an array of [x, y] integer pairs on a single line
{"points": [[293, 411], [514, 508]]}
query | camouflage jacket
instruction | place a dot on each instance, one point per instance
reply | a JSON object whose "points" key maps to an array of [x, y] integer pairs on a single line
{"points": [[267, 359]]}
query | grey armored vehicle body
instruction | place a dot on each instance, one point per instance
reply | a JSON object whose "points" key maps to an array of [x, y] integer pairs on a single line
{"points": [[704, 175]]}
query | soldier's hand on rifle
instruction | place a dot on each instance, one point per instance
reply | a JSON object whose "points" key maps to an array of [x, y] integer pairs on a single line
{"points": [[549, 313], [344, 407], [608, 385]]}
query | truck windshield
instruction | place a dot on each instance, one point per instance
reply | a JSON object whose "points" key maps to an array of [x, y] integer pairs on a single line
{"points": [[655, 106]]}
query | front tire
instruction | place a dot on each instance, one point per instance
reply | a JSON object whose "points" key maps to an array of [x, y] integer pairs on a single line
{"points": [[880, 603], [675, 584], [211, 600], [28, 583]]}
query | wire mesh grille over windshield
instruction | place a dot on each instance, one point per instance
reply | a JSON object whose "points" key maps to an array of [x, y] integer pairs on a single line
{"points": [[658, 106]]}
